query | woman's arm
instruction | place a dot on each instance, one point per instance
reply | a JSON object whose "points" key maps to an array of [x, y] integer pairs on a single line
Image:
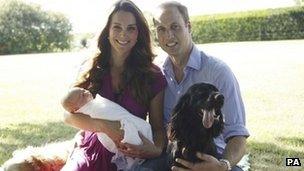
{"points": [[156, 121], [148, 149], [85, 122]]}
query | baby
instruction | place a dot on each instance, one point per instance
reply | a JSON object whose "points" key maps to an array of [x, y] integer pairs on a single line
{"points": [[75, 99], [79, 100]]}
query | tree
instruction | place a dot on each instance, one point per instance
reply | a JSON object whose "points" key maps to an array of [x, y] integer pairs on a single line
{"points": [[26, 28], [299, 2]]}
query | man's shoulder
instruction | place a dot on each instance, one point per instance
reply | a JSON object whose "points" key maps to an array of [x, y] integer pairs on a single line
{"points": [[214, 66], [211, 61]]}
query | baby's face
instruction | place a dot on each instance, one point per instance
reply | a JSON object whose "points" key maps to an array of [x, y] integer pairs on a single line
{"points": [[79, 98]]}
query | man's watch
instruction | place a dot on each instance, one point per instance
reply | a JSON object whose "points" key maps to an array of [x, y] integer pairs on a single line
{"points": [[227, 163]]}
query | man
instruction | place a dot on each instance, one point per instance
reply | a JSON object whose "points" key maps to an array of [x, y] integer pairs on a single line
{"points": [[187, 65]]}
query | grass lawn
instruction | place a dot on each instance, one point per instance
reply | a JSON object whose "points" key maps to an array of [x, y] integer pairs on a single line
{"points": [[270, 76]]}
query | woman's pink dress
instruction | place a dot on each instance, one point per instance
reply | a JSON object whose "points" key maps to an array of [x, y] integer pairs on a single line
{"points": [[92, 155]]}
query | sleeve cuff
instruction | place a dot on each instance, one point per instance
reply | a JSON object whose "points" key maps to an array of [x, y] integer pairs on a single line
{"points": [[234, 130]]}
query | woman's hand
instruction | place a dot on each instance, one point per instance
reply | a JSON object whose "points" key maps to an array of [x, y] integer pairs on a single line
{"points": [[144, 151]]}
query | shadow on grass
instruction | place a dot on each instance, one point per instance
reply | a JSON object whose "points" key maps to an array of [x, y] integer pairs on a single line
{"points": [[270, 156], [27, 134]]}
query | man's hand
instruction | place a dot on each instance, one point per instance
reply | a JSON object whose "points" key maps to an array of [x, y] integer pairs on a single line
{"points": [[145, 150], [209, 163]]}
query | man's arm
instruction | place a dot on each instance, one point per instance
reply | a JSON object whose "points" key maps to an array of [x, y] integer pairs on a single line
{"points": [[235, 149]]}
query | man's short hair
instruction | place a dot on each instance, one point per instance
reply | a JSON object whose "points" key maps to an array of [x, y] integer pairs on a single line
{"points": [[180, 7]]}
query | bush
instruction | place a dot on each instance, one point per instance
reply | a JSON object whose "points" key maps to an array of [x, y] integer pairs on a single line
{"points": [[271, 24], [26, 28]]}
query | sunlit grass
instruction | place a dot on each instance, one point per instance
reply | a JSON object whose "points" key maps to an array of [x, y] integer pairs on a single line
{"points": [[270, 76]]}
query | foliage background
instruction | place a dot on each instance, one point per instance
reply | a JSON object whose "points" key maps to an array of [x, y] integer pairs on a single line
{"points": [[26, 28], [270, 24]]}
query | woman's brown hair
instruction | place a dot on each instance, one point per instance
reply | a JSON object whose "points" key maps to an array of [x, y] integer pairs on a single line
{"points": [[138, 70]]}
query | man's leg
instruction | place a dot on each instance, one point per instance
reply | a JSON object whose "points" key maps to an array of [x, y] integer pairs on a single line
{"points": [[236, 168], [156, 164]]}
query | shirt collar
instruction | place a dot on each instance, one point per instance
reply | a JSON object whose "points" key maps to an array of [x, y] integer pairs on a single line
{"points": [[194, 59], [193, 62]]}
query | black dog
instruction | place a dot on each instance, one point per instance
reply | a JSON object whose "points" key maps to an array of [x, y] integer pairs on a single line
{"points": [[187, 132]]}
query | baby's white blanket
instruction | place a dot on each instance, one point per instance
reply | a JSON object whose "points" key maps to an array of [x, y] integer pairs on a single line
{"points": [[103, 108]]}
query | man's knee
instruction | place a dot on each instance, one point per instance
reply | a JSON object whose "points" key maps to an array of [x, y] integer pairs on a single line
{"points": [[236, 168], [155, 164]]}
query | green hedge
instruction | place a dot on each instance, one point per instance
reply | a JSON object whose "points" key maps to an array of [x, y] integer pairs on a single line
{"points": [[271, 24], [26, 28]]}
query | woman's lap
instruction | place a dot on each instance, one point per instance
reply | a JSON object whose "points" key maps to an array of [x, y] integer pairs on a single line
{"points": [[77, 161], [91, 155]]}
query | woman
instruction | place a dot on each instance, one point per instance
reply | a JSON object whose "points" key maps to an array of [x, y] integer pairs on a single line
{"points": [[122, 72]]}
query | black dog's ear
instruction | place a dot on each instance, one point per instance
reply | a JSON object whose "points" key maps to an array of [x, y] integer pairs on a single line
{"points": [[171, 132], [178, 115], [218, 125], [218, 100], [182, 104]]}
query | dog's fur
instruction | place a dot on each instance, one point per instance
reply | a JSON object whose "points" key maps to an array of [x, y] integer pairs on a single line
{"points": [[186, 131], [50, 157]]}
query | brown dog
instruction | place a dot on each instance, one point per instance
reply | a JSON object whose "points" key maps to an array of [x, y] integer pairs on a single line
{"points": [[50, 157]]}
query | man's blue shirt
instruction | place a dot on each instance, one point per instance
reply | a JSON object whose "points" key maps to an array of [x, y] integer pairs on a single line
{"points": [[207, 69]]}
